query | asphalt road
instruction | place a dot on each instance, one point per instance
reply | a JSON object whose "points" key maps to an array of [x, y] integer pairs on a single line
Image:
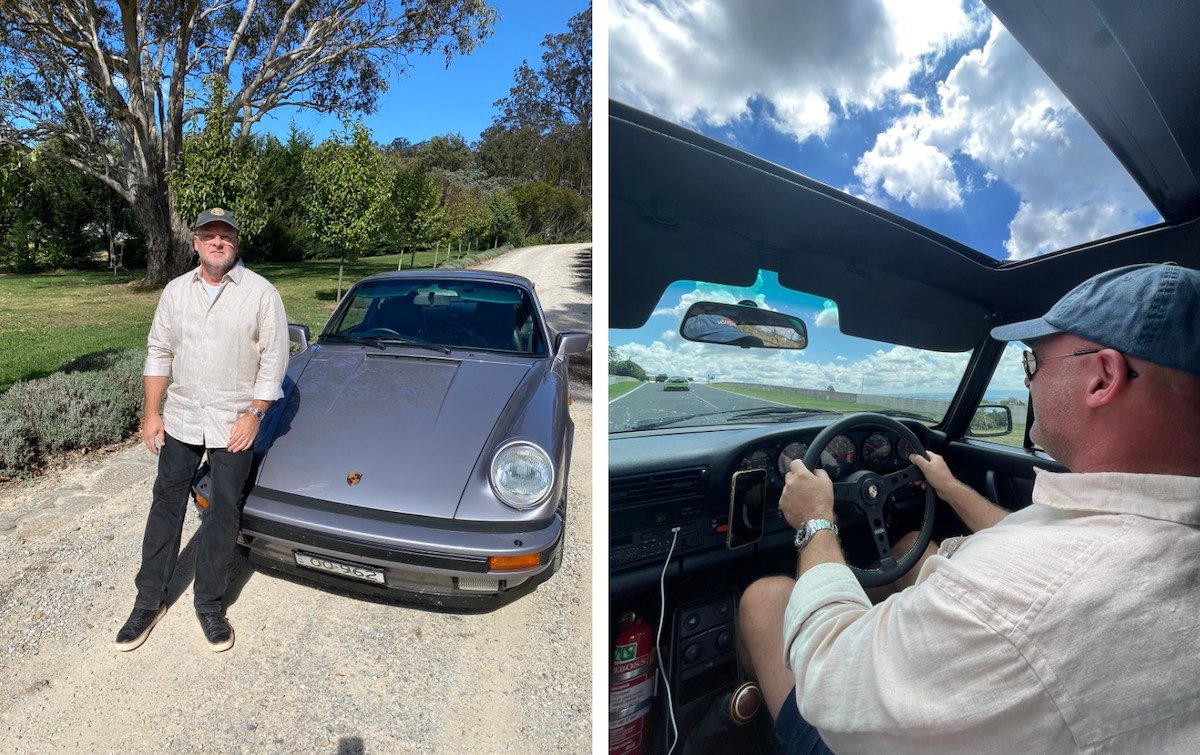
{"points": [[650, 403], [314, 670]]}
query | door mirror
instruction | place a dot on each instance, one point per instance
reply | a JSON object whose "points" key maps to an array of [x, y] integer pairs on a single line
{"points": [[744, 326], [298, 336], [572, 343], [991, 421]]}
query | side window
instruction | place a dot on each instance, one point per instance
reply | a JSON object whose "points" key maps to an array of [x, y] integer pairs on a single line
{"points": [[1007, 388]]}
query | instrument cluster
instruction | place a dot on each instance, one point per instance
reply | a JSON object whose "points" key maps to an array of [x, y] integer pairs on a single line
{"points": [[879, 450]]}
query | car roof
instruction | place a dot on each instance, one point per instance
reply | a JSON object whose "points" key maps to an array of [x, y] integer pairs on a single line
{"points": [[686, 207], [491, 276]]}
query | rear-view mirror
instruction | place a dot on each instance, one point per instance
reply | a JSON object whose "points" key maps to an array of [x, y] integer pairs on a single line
{"points": [[741, 325]]}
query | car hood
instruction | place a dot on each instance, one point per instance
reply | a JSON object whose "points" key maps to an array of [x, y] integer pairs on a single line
{"points": [[406, 430]]}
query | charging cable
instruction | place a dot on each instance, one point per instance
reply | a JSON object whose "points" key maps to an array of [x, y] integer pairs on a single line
{"points": [[662, 612]]}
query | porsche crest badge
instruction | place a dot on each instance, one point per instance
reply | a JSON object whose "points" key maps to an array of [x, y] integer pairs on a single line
{"points": [[353, 478]]}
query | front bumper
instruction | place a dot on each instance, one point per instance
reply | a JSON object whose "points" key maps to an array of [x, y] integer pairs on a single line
{"points": [[444, 565]]}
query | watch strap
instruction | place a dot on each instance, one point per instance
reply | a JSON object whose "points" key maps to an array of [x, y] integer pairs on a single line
{"points": [[810, 528], [258, 414]]}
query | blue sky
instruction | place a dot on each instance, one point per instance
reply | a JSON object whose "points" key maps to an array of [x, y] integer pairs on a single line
{"points": [[431, 99], [929, 109]]}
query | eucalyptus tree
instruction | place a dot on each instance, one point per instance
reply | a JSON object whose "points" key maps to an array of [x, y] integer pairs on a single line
{"points": [[119, 79]]}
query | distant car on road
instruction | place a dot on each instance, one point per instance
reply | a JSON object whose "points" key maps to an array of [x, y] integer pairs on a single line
{"points": [[677, 384], [660, 378], [422, 445]]}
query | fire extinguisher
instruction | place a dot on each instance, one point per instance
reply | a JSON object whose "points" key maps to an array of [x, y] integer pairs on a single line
{"points": [[631, 691]]}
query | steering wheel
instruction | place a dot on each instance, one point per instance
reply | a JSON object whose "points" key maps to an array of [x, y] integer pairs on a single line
{"points": [[868, 491], [378, 331], [467, 337]]}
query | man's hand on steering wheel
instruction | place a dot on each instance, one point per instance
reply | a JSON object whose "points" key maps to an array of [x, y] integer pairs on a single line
{"points": [[806, 495]]}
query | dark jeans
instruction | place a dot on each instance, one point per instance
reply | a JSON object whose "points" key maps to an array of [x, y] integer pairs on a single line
{"points": [[795, 734], [177, 465]]}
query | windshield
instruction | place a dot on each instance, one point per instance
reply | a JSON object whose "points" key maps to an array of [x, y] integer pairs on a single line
{"points": [[466, 314], [659, 379]]}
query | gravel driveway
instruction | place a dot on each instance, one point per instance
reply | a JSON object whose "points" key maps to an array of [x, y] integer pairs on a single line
{"points": [[313, 670]]}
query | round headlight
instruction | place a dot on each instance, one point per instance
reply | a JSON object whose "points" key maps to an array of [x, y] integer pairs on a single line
{"points": [[522, 475]]}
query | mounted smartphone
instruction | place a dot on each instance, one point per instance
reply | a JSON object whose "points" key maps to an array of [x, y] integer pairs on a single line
{"points": [[747, 502]]}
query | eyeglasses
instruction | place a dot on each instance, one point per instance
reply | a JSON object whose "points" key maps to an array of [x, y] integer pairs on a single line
{"points": [[1030, 361]]}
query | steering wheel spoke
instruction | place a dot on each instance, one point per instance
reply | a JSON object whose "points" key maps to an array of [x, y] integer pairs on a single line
{"points": [[890, 483], [845, 491]]}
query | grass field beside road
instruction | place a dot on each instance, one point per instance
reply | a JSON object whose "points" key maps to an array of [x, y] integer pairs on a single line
{"points": [[620, 389], [49, 319]]}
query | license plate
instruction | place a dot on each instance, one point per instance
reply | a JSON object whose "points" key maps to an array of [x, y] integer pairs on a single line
{"points": [[342, 568]]}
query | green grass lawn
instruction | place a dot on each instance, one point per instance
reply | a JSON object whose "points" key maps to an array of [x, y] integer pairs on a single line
{"points": [[49, 319], [620, 389]]}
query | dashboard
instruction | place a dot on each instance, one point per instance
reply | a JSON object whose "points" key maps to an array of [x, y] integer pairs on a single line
{"points": [[669, 490]]}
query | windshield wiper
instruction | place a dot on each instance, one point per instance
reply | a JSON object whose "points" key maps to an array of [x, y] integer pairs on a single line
{"points": [[354, 339], [424, 345]]}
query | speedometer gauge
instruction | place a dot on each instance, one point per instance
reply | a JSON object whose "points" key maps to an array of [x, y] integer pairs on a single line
{"points": [[877, 450], [790, 452], [757, 459], [838, 457]]}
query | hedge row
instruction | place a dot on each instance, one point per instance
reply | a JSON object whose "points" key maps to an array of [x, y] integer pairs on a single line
{"points": [[93, 401]]}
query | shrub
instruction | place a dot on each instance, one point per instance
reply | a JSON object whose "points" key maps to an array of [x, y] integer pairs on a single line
{"points": [[76, 410], [125, 366], [18, 451]]}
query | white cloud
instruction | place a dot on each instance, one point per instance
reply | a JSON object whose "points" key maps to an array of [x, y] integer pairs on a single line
{"points": [[896, 370], [713, 292], [706, 61], [828, 317], [998, 108]]}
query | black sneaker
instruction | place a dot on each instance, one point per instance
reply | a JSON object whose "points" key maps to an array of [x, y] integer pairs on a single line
{"points": [[137, 627], [217, 632]]}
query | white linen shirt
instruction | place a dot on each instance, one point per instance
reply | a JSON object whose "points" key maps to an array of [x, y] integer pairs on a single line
{"points": [[221, 354], [1072, 625]]}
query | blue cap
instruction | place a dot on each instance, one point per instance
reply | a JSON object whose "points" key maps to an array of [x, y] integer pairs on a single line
{"points": [[717, 329], [1150, 312]]}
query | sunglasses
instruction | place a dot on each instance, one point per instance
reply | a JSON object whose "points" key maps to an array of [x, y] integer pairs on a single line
{"points": [[1030, 361]]}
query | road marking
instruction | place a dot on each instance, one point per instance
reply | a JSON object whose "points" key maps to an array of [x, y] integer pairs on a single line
{"points": [[752, 398], [623, 395]]}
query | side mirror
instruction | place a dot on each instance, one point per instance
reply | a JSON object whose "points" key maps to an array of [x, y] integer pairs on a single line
{"points": [[299, 335], [739, 325], [572, 343], [990, 421]]}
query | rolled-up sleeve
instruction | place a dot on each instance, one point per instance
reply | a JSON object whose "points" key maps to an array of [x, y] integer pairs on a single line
{"points": [[272, 347], [921, 671], [159, 355]]}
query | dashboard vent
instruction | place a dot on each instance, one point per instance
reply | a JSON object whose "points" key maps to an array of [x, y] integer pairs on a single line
{"points": [[672, 485]]}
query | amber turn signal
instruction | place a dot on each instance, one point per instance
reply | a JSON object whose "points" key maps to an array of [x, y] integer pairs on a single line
{"points": [[508, 563]]}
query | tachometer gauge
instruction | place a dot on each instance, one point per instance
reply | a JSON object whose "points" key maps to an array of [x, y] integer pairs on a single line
{"points": [[877, 450], [838, 457], [757, 459], [790, 452]]}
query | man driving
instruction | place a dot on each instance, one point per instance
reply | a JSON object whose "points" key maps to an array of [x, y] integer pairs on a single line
{"points": [[1070, 625]]}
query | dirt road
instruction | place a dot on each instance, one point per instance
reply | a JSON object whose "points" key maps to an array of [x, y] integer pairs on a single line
{"points": [[313, 670]]}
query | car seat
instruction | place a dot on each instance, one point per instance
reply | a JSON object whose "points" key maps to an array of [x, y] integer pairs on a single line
{"points": [[495, 324]]}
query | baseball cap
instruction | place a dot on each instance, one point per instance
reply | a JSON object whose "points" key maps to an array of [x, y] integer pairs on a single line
{"points": [[1151, 312], [214, 215], [717, 329]]}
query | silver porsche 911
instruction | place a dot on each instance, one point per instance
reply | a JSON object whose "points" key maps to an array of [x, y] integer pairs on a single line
{"points": [[422, 445]]}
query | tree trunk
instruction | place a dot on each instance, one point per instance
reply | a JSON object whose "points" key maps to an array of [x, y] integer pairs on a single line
{"points": [[341, 265], [169, 250]]}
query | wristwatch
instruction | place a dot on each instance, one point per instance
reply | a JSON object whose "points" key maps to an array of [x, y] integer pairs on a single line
{"points": [[258, 414], [810, 528]]}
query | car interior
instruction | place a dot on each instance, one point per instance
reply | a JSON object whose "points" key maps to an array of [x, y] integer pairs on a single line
{"points": [[684, 207]]}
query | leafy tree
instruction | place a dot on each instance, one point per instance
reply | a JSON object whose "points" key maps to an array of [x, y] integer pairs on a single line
{"points": [[213, 171], [445, 152], [504, 218], [349, 193], [544, 130], [418, 215], [116, 79], [551, 213], [619, 365]]}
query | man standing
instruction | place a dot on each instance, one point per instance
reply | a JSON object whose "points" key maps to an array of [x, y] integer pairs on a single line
{"points": [[1067, 626], [221, 333]]}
